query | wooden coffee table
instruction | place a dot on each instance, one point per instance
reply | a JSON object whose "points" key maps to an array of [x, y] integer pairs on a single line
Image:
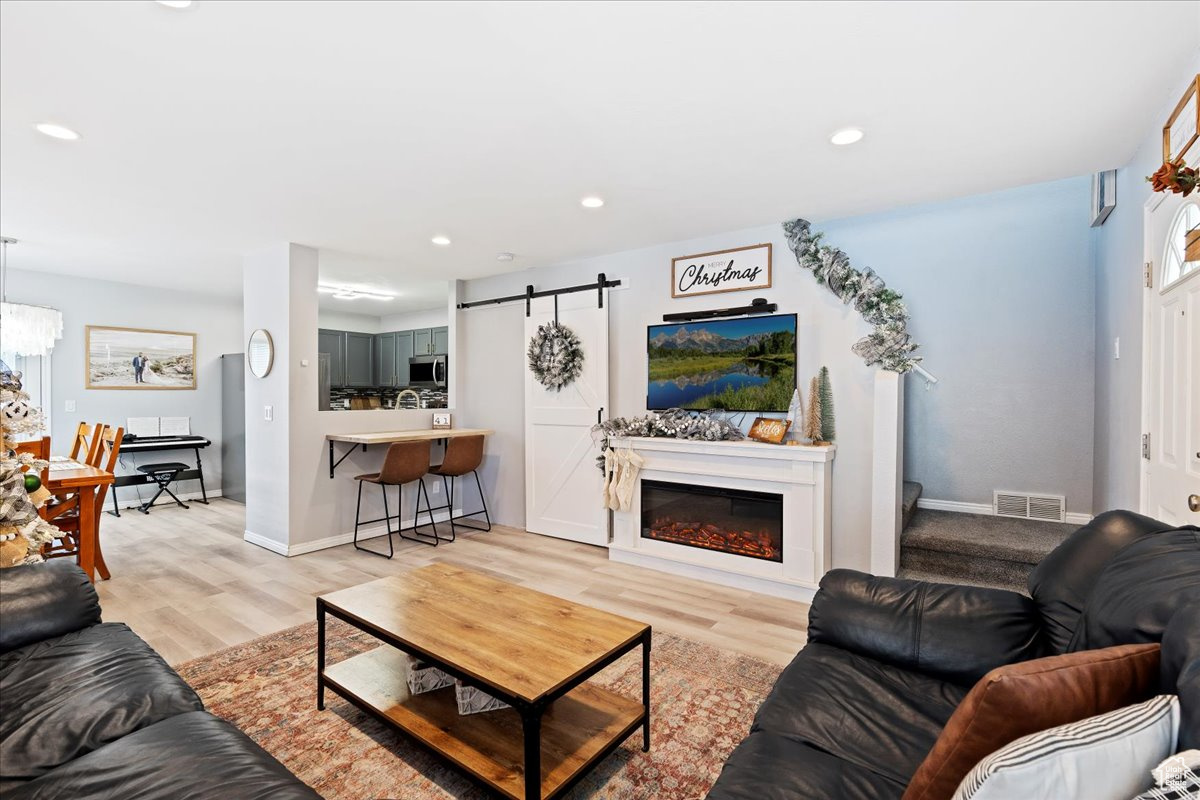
{"points": [[529, 649]]}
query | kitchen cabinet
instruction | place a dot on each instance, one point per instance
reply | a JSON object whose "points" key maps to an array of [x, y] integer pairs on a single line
{"points": [[360, 361], [334, 344], [441, 341], [392, 351], [431, 341]]}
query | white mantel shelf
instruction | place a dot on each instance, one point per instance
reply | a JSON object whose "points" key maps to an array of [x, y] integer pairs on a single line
{"points": [[801, 475]]}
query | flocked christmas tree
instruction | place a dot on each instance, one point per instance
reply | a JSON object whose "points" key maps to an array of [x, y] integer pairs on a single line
{"points": [[825, 391], [812, 420], [22, 531]]}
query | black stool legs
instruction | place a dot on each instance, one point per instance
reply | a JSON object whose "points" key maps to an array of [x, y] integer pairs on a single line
{"points": [[449, 488], [358, 509], [424, 538]]}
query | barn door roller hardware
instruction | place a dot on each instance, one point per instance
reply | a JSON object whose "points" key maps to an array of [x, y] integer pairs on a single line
{"points": [[529, 294]]}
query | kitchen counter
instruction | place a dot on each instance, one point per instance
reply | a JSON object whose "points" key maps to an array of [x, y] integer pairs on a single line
{"points": [[388, 437]]}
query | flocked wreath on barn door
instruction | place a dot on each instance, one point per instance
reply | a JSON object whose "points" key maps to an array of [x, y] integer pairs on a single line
{"points": [[555, 355]]}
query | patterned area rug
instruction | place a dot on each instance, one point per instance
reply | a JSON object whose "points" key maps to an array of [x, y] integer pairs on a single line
{"points": [[703, 701]]}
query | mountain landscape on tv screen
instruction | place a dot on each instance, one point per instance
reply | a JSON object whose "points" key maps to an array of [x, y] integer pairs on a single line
{"points": [[739, 365]]}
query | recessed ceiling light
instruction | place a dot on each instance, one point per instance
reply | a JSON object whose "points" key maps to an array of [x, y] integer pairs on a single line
{"points": [[56, 131], [592, 201], [441, 241], [175, 3], [504, 256], [846, 136]]}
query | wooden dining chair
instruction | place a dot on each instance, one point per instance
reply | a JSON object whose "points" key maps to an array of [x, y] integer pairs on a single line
{"points": [[38, 448], [67, 518], [87, 442]]}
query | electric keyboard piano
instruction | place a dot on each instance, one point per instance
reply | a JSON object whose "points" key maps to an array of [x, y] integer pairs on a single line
{"points": [[132, 445]]}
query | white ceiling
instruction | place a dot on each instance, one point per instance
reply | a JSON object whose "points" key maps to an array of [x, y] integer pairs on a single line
{"points": [[350, 271], [368, 127]]}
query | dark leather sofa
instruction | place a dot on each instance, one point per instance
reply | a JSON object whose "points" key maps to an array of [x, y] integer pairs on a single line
{"points": [[89, 710], [888, 660]]}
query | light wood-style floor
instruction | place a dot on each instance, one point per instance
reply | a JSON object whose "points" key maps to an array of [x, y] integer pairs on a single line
{"points": [[186, 582]]}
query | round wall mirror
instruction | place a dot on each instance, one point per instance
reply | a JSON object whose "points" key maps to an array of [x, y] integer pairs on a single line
{"points": [[260, 353]]}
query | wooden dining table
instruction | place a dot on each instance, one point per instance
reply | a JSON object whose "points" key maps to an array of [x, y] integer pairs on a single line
{"points": [[83, 481]]}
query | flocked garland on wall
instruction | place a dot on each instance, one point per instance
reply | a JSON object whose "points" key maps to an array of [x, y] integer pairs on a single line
{"points": [[889, 346]]}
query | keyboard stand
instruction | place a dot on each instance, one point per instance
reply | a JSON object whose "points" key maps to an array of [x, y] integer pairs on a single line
{"points": [[142, 479]]}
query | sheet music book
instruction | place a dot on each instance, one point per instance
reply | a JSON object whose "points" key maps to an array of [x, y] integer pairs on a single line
{"points": [[141, 426], [175, 426]]}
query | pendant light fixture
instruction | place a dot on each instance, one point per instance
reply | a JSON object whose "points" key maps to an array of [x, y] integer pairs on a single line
{"points": [[26, 330]]}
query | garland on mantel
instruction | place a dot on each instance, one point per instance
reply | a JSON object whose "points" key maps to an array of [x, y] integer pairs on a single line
{"points": [[889, 346], [674, 423]]}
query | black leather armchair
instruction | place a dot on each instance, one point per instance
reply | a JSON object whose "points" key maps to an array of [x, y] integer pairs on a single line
{"points": [[89, 710], [888, 660]]}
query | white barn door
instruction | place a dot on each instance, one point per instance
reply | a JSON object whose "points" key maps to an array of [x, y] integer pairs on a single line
{"points": [[562, 483]]}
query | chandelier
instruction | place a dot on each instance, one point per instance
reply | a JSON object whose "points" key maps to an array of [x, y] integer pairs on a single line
{"points": [[26, 330]]}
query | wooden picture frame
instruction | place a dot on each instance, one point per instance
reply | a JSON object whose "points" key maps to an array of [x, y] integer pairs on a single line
{"points": [[706, 269], [768, 430], [110, 353], [1183, 126]]}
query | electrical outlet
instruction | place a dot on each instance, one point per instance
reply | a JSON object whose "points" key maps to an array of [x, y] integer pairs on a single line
{"points": [[1117, 348], [268, 413], [435, 487], [69, 406]]}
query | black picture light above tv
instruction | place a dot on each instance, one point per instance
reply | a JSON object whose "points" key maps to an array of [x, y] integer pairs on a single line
{"points": [[746, 364]]}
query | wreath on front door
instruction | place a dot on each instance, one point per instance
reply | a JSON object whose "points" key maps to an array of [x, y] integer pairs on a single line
{"points": [[555, 356]]}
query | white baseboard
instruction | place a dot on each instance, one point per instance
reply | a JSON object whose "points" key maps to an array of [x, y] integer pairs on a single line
{"points": [[337, 540], [985, 509]]}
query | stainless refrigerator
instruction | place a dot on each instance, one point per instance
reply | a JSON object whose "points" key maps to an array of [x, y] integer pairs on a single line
{"points": [[233, 426]]}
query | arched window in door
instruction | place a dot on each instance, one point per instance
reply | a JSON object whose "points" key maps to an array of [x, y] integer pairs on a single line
{"points": [[1175, 261]]}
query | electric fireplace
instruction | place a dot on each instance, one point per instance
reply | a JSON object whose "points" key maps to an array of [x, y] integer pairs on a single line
{"points": [[736, 521]]}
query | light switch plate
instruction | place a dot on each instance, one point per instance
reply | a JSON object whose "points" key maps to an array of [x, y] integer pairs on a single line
{"points": [[1117, 347], [268, 413], [69, 406]]}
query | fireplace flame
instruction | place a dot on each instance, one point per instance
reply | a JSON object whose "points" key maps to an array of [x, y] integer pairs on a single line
{"points": [[755, 544]]}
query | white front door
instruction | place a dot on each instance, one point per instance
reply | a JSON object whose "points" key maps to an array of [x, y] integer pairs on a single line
{"points": [[1172, 390], [562, 484]]}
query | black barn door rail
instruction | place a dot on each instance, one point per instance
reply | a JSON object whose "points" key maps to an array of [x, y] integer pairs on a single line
{"points": [[599, 286]]}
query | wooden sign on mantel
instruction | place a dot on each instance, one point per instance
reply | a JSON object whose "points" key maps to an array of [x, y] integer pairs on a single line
{"points": [[722, 271], [771, 431]]}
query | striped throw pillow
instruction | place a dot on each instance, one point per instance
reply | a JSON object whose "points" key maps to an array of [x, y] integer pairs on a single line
{"points": [[1102, 757]]}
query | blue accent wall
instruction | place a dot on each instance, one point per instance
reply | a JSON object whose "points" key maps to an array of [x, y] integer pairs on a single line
{"points": [[1002, 294]]}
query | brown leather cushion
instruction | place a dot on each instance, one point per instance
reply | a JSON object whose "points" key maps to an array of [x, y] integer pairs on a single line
{"points": [[463, 454], [1019, 699]]}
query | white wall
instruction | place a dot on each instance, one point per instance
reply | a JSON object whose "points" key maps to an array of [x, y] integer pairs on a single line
{"points": [[1118, 263], [215, 320], [428, 318], [491, 350], [348, 321], [292, 504]]}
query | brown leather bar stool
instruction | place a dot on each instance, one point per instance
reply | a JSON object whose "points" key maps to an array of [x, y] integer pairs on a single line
{"points": [[405, 462], [464, 454]]}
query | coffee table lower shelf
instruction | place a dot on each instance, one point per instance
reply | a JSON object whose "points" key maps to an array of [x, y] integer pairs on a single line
{"points": [[578, 729]]}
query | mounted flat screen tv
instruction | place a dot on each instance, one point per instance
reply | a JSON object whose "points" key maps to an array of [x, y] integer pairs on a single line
{"points": [[746, 364]]}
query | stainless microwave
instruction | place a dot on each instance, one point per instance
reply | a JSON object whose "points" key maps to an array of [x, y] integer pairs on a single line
{"points": [[427, 372]]}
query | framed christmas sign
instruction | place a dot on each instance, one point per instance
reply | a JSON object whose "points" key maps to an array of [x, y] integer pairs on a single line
{"points": [[734, 270], [1183, 127]]}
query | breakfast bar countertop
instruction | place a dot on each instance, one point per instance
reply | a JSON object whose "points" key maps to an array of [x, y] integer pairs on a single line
{"points": [[420, 434], [388, 437]]}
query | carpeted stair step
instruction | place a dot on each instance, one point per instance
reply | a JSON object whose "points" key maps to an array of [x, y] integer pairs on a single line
{"points": [[911, 494], [976, 549], [912, 573]]}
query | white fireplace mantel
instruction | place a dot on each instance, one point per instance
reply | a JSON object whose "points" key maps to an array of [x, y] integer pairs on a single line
{"points": [[801, 475]]}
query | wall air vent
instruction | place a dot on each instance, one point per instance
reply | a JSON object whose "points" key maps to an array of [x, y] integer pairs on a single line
{"points": [[1022, 505]]}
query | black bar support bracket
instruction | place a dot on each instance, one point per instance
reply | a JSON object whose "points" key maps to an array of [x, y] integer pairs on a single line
{"points": [[529, 294]]}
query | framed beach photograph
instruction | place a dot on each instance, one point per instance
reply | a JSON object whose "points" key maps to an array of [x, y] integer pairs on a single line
{"points": [[133, 358]]}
